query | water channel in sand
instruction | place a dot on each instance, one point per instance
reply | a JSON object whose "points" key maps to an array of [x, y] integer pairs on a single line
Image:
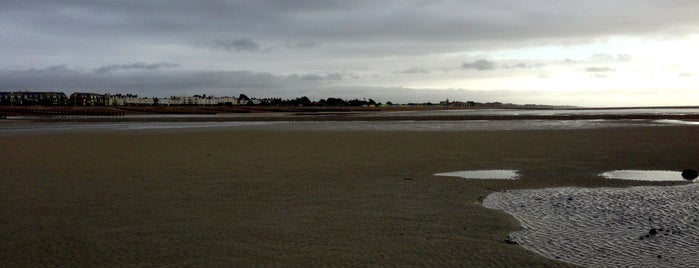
{"points": [[499, 174], [644, 175]]}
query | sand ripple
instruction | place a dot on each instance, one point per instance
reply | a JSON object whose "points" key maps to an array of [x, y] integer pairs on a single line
{"points": [[605, 227]]}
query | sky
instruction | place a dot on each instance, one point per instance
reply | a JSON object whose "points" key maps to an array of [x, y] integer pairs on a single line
{"points": [[586, 53]]}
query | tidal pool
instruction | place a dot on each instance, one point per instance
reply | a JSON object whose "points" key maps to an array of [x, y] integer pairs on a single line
{"points": [[644, 175], [496, 174]]}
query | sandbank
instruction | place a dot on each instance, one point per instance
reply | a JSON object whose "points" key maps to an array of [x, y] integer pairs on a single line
{"points": [[222, 197]]}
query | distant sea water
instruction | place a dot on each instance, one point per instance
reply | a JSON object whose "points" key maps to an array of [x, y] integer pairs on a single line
{"points": [[20, 125], [548, 112]]}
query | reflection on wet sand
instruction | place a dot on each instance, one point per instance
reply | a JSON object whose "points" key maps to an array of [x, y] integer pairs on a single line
{"points": [[498, 174], [644, 175]]}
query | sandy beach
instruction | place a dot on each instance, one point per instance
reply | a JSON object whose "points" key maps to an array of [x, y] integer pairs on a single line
{"points": [[221, 197]]}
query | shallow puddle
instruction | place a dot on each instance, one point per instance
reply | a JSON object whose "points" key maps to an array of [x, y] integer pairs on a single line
{"points": [[644, 175], [496, 174]]}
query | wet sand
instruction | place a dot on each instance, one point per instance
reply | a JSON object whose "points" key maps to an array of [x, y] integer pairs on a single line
{"points": [[269, 197], [641, 226]]}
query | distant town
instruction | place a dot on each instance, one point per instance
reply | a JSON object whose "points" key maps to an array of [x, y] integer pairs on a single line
{"points": [[52, 98]]}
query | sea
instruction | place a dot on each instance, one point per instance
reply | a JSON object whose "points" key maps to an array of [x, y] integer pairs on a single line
{"points": [[156, 122]]}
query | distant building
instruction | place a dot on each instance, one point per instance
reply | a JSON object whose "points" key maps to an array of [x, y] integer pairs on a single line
{"points": [[163, 101], [127, 99], [32, 98], [88, 99], [462, 104], [199, 100], [180, 100], [228, 100]]}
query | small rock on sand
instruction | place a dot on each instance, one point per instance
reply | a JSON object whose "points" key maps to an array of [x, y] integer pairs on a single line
{"points": [[689, 174]]}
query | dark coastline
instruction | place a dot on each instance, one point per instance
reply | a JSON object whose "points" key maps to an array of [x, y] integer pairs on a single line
{"points": [[355, 117]]}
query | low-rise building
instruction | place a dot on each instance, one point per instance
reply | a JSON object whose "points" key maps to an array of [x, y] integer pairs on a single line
{"points": [[87, 99], [127, 99], [33, 98], [228, 100]]}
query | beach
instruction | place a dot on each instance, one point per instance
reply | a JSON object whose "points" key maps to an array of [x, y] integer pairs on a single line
{"points": [[261, 197]]}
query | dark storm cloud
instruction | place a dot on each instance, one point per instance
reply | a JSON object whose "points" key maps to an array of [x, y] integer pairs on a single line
{"points": [[480, 65], [146, 83], [221, 83], [134, 66], [241, 44], [444, 25], [51, 70]]}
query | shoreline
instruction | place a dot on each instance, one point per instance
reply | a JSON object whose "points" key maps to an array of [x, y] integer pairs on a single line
{"points": [[31, 127], [349, 117], [272, 114]]}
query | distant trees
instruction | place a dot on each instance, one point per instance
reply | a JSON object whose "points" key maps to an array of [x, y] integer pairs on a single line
{"points": [[332, 102], [302, 101], [341, 102], [305, 101]]}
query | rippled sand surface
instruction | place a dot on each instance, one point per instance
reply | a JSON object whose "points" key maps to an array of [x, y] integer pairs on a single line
{"points": [[644, 226]]}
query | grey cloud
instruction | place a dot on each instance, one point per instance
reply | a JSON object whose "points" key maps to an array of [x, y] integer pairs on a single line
{"points": [[414, 70], [486, 65], [254, 84], [134, 66], [518, 65], [599, 69], [362, 25], [294, 46], [623, 57], [320, 77], [142, 83], [300, 45], [523, 66], [261, 84], [51, 70], [241, 44], [610, 57], [599, 72], [173, 82], [480, 65]]}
